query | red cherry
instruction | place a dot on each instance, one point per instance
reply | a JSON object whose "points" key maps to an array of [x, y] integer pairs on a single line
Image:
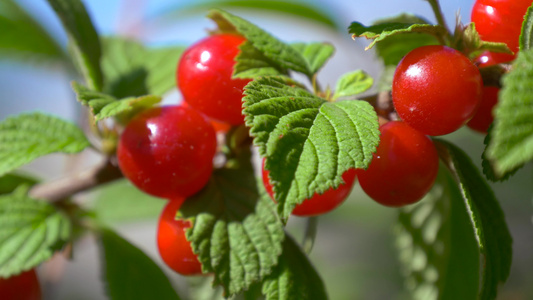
{"points": [[168, 151], [204, 78], [320, 203], [500, 20], [24, 286], [172, 243], [484, 117], [436, 89], [404, 166], [487, 59]]}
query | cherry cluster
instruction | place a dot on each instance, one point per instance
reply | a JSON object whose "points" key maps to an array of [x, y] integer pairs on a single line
{"points": [[168, 151], [435, 91]]}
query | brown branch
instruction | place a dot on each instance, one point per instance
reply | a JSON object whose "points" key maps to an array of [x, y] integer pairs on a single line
{"points": [[57, 190]]}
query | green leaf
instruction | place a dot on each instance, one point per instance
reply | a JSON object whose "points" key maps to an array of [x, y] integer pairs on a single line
{"points": [[129, 105], [131, 274], [394, 48], [11, 181], [84, 40], [487, 166], [120, 201], [23, 37], [472, 41], [105, 106], [132, 70], [316, 54], [511, 143], [308, 143], [252, 63], [30, 232], [282, 54], [486, 215], [300, 9], [353, 83], [236, 234], [526, 35], [26, 137], [382, 31], [294, 278], [437, 246]]}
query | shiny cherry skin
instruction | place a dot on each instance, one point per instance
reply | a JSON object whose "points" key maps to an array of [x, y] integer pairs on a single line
{"points": [[204, 78], [487, 59], [436, 89], [403, 168], [168, 151], [24, 286], [172, 243], [484, 116], [500, 20], [320, 203]]}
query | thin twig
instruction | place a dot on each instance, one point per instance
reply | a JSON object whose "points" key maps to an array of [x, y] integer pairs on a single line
{"points": [[57, 190], [440, 19]]}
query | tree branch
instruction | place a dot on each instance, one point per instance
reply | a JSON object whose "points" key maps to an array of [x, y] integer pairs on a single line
{"points": [[57, 190]]}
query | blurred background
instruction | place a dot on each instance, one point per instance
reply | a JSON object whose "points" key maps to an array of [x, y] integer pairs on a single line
{"points": [[354, 250]]}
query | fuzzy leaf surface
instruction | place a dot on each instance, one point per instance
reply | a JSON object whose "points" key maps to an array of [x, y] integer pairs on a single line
{"points": [[394, 48], [308, 143], [382, 31], [133, 70], [437, 246], [284, 55], [294, 278], [353, 83], [316, 54], [486, 215], [83, 38], [104, 106], [30, 232], [526, 35], [28, 136], [23, 37], [131, 274], [511, 142], [236, 233]]}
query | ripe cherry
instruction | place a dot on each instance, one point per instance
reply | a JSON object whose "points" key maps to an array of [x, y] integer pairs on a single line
{"points": [[500, 20], [487, 59], [403, 168], [484, 117], [168, 151], [204, 78], [24, 286], [436, 89], [172, 243], [320, 203]]}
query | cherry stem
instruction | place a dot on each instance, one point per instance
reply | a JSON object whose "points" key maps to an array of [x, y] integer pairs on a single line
{"points": [[316, 86], [61, 189], [310, 234], [440, 20]]}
